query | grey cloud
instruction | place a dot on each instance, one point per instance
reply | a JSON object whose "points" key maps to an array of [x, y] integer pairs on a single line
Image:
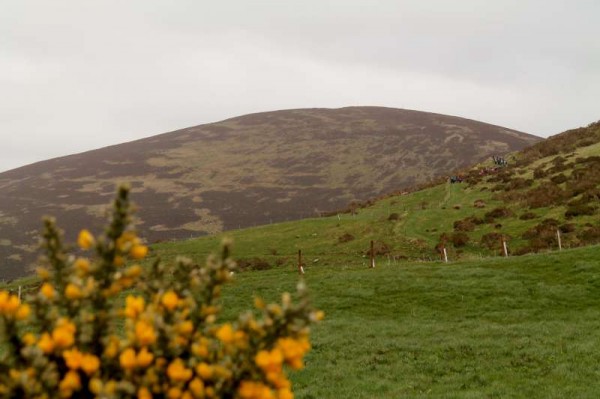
{"points": [[79, 75]]}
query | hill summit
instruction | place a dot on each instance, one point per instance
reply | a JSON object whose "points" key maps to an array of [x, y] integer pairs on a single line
{"points": [[250, 170]]}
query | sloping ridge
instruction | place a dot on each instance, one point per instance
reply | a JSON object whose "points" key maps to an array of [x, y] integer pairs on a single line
{"points": [[250, 170]]}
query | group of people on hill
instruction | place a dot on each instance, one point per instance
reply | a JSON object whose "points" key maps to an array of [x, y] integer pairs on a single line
{"points": [[456, 179], [500, 161]]}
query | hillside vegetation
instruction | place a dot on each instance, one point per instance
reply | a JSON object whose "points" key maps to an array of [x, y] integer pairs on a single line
{"points": [[245, 171], [482, 325], [540, 192]]}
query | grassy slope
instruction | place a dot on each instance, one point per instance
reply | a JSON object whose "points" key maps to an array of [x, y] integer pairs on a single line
{"points": [[517, 327]]}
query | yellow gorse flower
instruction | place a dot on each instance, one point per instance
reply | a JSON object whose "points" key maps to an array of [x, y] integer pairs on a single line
{"points": [[285, 393], [80, 338], [85, 240], [23, 312], [134, 306], [8, 303], [185, 328], [174, 393], [134, 271], [112, 349], [205, 371], [63, 335], [178, 372], [47, 290], [127, 239], [144, 358], [29, 339], [196, 387], [225, 333], [254, 390], [90, 363], [46, 344], [170, 300], [71, 382], [73, 358], [144, 393], [73, 292], [138, 251], [293, 351], [144, 333], [127, 359]]}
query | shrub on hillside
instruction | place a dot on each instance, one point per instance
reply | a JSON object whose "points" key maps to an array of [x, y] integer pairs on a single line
{"points": [[500, 212], [464, 225], [567, 228], [590, 235], [518, 183], [442, 242], [539, 173], [591, 196], [546, 225], [558, 179], [492, 240], [579, 210], [581, 186], [528, 216], [594, 160], [459, 239], [74, 337], [547, 194], [584, 179], [543, 235]]}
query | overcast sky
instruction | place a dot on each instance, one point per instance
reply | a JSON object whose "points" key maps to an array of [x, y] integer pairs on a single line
{"points": [[79, 75]]}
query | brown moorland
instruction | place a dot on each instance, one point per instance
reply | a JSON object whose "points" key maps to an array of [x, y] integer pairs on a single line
{"points": [[250, 170]]}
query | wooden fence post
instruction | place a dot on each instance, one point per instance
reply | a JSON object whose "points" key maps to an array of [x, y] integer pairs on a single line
{"points": [[372, 253], [19, 293], [504, 247], [300, 267], [445, 254], [558, 237]]}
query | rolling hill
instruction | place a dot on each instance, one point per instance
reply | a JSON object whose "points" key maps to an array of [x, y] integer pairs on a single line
{"points": [[250, 170], [548, 189]]}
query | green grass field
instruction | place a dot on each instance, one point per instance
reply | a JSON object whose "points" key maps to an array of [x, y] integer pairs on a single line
{"points": [[495, 328]]}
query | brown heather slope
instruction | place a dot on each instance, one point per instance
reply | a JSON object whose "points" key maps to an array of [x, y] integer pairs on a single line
{"points": [[245, 171]]}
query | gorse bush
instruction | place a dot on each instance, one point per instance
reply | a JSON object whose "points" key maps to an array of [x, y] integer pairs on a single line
{"points": [[103, 326]]}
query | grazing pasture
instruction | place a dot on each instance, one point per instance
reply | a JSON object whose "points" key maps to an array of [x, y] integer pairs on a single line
{"points": [[518, 327]]}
